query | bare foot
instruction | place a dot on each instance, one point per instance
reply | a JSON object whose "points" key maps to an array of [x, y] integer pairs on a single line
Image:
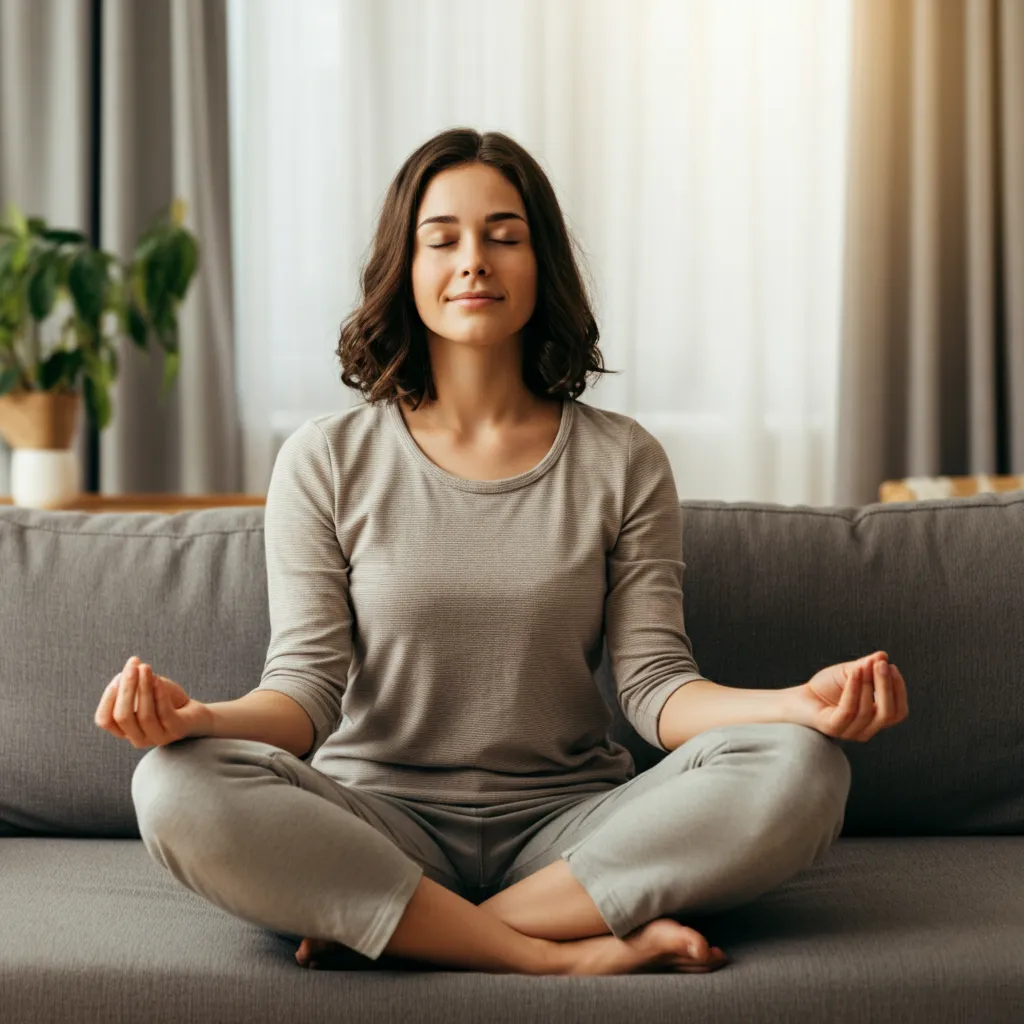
{"points": [[660, 945], [315, 953]]}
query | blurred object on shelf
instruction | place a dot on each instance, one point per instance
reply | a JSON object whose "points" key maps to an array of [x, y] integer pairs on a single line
{"points": [[918, 488]]}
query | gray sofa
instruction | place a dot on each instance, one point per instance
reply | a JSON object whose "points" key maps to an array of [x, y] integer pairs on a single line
{"points": [[915, 914]]}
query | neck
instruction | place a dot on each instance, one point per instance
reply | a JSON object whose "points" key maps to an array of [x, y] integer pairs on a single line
{"points": [[479, 388]]}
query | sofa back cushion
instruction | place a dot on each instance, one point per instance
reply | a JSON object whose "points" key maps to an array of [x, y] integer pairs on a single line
{"points": [[772, 593], [79, 594]]}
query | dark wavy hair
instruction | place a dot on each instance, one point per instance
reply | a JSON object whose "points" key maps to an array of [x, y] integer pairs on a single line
{"points": [[383, 347]]}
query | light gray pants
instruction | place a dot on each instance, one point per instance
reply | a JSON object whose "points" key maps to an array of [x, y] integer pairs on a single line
{"points": [[733, 812]]}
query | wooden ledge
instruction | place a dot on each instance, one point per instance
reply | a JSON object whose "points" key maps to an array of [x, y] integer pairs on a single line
{"points": [[165, 503]]}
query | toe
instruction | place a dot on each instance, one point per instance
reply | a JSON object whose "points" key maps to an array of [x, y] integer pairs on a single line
{"points": [[306, 950], [695, 945]]}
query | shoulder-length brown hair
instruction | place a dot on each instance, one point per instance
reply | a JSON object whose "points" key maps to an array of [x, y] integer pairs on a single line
{"points": [[382, 347]]}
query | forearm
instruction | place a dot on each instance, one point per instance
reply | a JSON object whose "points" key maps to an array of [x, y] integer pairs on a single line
{"points": [[265, 715], [701, 705]]}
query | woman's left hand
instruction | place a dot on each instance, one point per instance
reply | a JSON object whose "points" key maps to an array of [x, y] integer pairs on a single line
{"points": [[852, 700]]}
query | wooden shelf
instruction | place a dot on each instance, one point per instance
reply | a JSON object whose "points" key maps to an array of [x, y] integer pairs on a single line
{"points": [[915, 488], [165, 503]]}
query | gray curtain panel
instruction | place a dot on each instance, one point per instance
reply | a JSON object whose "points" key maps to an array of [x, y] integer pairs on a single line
{"points": [[163, 126], [932, 361]]}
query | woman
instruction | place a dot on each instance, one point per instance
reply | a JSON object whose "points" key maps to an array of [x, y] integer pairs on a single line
{"points": [[444, 562]]}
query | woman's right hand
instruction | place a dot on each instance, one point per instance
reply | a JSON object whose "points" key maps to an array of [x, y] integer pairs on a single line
{"points": [[149, 710]]}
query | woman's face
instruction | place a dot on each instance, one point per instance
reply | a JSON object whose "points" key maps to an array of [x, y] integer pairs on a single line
{"points": [[482, 245]]}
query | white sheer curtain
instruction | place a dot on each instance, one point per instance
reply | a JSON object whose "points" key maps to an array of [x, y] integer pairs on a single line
{"points": [[698, 148]]}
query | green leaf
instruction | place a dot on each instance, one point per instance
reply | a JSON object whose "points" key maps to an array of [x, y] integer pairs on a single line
{"points": [[104, 370], [167, 330], [7, 255], [97, 401], [157, 272], [36, 225], [73, 363], [115, 293], [166, 325], [62, 261], [87, 281], [66, 370], [8, 380], [42, 288], [61, 236], [53, 370], [146, 245], [93, 368], [172, 361], [19, 258], [11, 306], [184, 257], [110, 354], [138, 286], [16, 220], [138, 330]]}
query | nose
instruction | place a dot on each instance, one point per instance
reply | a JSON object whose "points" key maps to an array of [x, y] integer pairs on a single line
{"points": [[474, 264]]}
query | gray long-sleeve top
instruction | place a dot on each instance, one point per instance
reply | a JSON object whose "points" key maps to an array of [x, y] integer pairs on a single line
{"points": [[442, 633]]}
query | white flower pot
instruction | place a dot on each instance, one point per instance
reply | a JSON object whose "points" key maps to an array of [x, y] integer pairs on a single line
{"points": [[40, 428], [44, 477]]}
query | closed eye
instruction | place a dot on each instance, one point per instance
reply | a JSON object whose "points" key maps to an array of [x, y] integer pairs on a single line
{"points": [[446, 244]]}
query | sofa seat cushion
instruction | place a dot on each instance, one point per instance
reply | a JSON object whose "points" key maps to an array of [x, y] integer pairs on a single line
{"points": [[882, 929]]}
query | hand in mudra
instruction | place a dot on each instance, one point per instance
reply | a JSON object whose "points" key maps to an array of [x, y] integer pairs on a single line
{"points": [[852, 700], [148, 709]]}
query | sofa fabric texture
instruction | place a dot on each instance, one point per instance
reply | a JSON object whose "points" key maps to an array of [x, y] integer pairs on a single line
{"points": [[917, 913]]}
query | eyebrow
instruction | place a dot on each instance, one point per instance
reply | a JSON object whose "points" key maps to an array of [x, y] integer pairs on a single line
{"points": [[449, 219]]}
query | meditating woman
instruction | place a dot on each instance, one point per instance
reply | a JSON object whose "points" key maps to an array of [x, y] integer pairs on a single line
{"points": [[445, 562]]}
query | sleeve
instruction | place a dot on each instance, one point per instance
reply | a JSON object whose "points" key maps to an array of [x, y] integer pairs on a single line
{"points": [[307, 584], [649, 651]]}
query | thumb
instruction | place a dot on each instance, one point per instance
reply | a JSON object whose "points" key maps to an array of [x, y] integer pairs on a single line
{"points": [[175, 694], [164, 707], [173, 721], [175, 708]]}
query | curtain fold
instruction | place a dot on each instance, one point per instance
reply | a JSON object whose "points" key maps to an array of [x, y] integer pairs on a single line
{"points": [[932, 352], [45, 69], [164, 132]]}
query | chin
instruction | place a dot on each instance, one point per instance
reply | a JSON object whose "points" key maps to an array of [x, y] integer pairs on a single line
{"points": [[483, 334]]}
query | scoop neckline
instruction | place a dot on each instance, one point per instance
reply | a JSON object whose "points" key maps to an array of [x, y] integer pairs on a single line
{"points": [[508, 483]]}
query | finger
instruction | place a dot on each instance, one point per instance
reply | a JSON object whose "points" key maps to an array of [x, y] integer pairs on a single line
{"points": [[869, 661], [151, 726], [104, 716], [850, 700], [867, 695], [105, 712], [899, 693], [864, 662], [164, 707], [885, 708], [124, 706], [866, 711]]}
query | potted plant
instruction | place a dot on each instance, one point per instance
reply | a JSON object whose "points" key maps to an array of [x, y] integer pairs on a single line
{"points": [[45, 271]]}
